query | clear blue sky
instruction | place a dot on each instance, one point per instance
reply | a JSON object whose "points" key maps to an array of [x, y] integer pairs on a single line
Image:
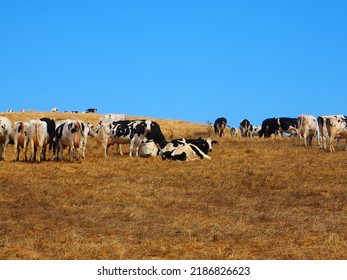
{"points": [[172, 59]]}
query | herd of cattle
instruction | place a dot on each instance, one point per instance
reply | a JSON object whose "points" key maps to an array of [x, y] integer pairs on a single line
{"points": [[146, 135], [115, 129], [307, 127]]}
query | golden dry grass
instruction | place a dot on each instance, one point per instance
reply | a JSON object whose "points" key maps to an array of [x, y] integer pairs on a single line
{"points": [[256, 199]]}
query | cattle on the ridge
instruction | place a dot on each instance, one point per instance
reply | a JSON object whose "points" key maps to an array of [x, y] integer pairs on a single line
{"points": [[125, 132], [288, 125], [54, 110], [307, 128], [245, 128], [254, 130], [21, 138], [72, 134], [337, 128], [269, 126], [219, 126], [278, 126], [91, 110], [235, 132], [38, 138], [6, 136]]}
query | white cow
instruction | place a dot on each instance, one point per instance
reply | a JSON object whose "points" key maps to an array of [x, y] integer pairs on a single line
{"points": [[323, 134], [6, 135], [38, 138], [337, 128], [307, 128], [21, 139], [235, 132], [148, 149], [54, 110]]}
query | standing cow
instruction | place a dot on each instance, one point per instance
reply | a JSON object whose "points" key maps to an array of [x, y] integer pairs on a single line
{"points": [[337, 128], [6, 136], [69, 133], [307, 128], [21, 139], [38, 138], [219, 126]]}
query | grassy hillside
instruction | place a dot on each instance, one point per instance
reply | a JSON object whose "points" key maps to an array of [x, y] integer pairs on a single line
{"points": [[256, 199]]}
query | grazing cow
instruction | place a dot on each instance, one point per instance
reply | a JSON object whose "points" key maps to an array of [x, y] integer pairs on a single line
{"points": [[254, 130], [278, 126], [148, 149], [51, 135], [307, 128], [69, 133], [91, 110], [337, 128], [288, 125], [234, 132], [54, 110], [245, 128], [219, 126], [38, 138], [21, 139], [125, 132], [6, 136], [269, 126], [10, 111]]}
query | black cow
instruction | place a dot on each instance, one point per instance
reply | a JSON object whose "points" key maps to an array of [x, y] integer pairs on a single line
{"points": [[51, 135], [269, 126], [219, 126]]}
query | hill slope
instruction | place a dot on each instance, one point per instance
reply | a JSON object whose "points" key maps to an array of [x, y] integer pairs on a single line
{"points": [[256, 199]]}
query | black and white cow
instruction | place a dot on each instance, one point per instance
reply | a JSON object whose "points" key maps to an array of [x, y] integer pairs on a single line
{"points": [[91, 110], [337, 129], [194, 149], [288, 125], [51, 135], [219, 126], [6, 136], [21, 139], [180, 149], [245, 128], [72, 134], [125, 132], [278, 126]]}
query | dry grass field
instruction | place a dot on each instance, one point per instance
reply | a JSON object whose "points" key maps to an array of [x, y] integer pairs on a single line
{"points": [[256, 199]]}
